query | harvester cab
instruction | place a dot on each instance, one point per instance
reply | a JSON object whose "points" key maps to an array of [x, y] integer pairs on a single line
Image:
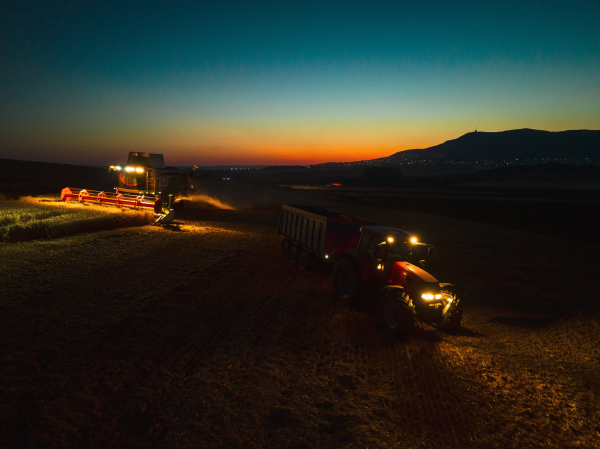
{"points": [[143, 182], [386, 270]]}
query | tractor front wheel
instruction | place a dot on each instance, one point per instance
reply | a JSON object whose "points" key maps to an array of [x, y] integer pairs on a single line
{"points": [[347, 282], [397, 313], [452, 317]]}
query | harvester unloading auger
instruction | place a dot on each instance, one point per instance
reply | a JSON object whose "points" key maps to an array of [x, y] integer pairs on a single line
{"points": [[143, 183]]}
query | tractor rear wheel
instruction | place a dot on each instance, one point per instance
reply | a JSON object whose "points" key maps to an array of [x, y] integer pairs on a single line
{"points": [[294, 254], [303, 260], [453, 316], [285, 249], [347, 282], [397, 313]]}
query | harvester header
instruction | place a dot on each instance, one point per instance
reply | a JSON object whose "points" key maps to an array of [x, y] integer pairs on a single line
{"points": [[143, 182]]}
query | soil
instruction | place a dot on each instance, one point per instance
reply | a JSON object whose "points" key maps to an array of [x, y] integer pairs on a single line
{"points": [[199, 334]]}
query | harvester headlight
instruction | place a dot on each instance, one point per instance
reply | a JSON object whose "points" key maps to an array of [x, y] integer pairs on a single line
{"points": [[326, 256], [438, 296], [139, 170], [413, 240], [391, 239], [129, 169], [379, 267]]}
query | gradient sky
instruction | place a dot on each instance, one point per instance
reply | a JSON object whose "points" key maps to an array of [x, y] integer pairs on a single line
{"points": [[287, 82]]}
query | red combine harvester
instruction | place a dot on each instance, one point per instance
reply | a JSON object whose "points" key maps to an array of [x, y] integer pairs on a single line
{"points": [[143, 183]]}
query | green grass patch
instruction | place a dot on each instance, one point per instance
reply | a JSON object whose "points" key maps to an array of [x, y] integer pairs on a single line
{"points": [[30, 218]]}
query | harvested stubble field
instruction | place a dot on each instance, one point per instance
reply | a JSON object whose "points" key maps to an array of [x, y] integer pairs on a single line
{"points": [[199, 334]]}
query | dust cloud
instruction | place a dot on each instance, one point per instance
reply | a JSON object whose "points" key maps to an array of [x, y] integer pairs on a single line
{"points": [[204, 198]]}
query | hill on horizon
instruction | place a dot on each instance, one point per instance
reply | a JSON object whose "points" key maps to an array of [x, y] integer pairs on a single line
{"points": [[525, 145]]}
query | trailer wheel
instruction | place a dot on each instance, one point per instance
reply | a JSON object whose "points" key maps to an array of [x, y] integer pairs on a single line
{"points": [[453, 316], [397, 313], [294, 254], [347, 282], [303, 261], [285, 249]]}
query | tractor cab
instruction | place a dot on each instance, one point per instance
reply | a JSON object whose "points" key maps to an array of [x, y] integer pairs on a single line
{"points": [[386, 271], [385, 245]]}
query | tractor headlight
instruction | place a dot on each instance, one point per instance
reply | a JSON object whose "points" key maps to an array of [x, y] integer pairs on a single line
{"points": [[431, 296], [380, 267], [413, 240]]}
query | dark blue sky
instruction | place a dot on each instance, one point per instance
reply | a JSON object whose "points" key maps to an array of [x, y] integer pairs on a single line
{"points": [[278, 82]]}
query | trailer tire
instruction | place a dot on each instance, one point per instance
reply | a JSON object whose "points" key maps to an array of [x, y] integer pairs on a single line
{"points": [[294, 254], [303, 260], [397, 313], [285, 249], [452, 318], [347, 282]]}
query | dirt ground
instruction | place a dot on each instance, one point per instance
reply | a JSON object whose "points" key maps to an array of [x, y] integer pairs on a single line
{"points": [[199, 334]]}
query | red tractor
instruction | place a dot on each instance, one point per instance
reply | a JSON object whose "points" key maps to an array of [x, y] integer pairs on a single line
{"points": [[386, 271]]}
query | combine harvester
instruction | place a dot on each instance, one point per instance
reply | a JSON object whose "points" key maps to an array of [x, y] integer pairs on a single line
{"points": [[143, 183]]}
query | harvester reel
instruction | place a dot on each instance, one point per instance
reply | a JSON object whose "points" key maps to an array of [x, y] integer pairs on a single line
{"points": [[82, 195]]}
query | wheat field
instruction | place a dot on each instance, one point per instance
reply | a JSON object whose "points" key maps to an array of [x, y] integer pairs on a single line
{"points": [[30, 218]]}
